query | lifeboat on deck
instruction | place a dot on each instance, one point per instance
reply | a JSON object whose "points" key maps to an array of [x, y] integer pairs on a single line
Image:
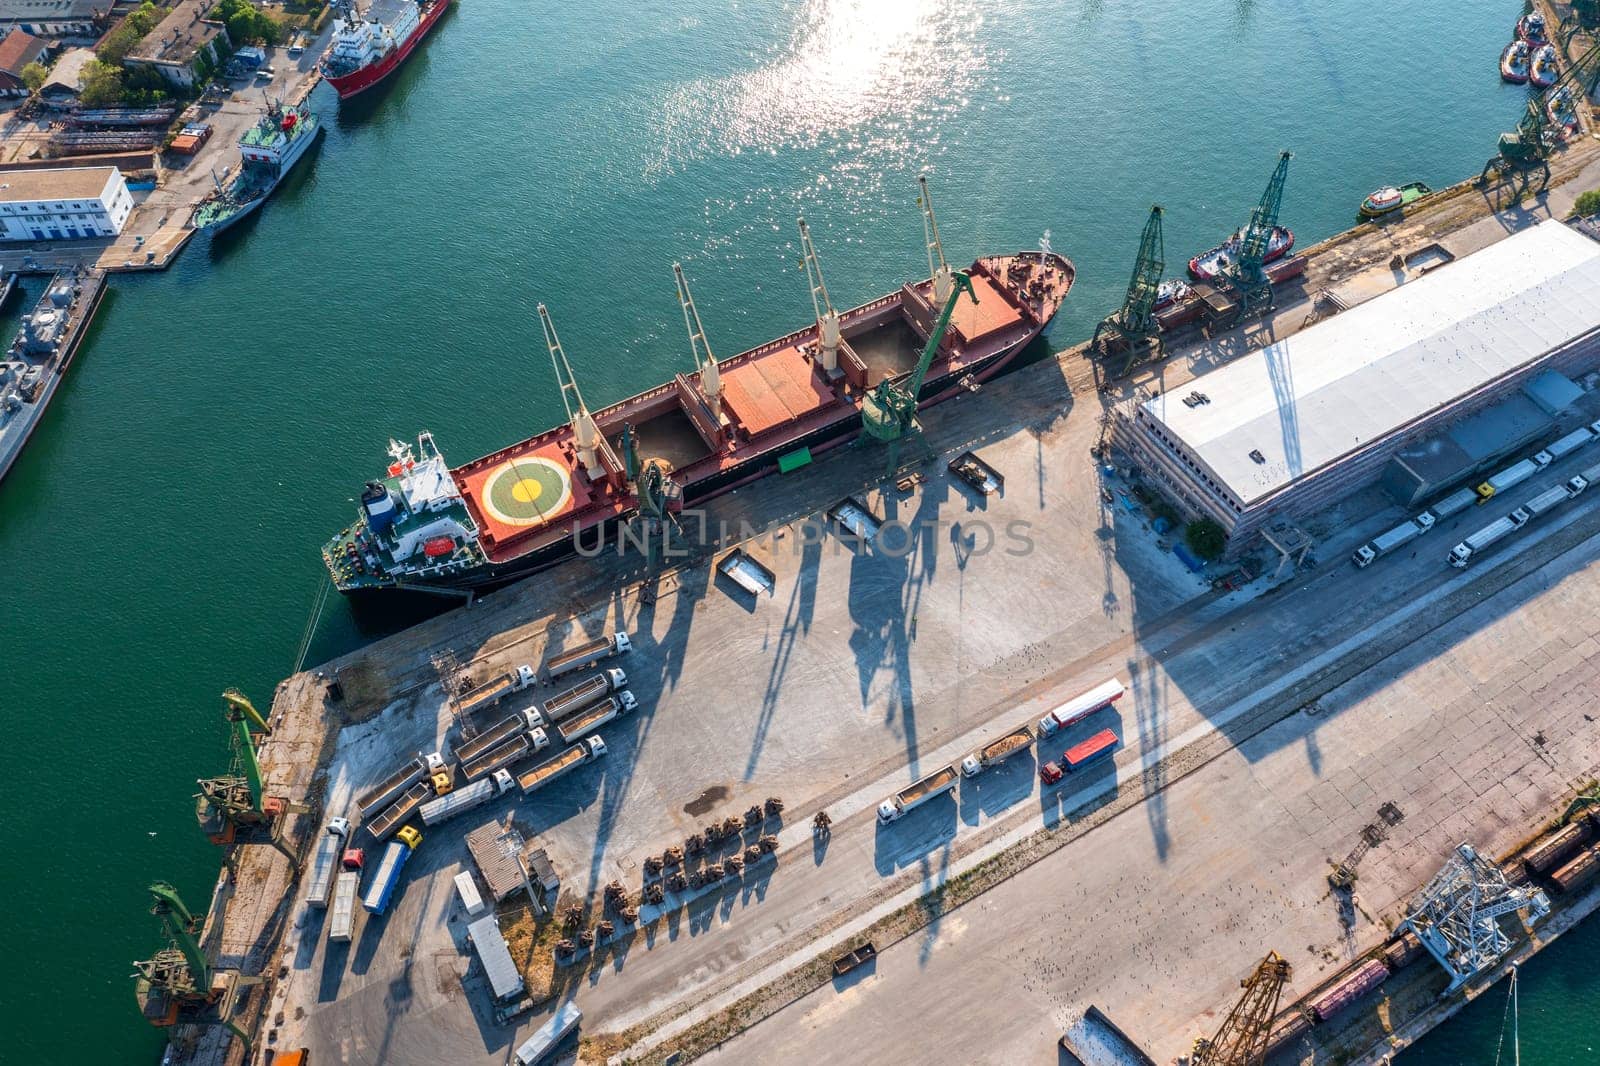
{"points": [[438, 547]]}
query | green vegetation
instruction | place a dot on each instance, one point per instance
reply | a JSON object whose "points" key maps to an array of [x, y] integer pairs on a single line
{"points": [[246, 24], [143, 86], [1205, 538], [102, 84], [120, 41], [1588, 204], [33, 76]]}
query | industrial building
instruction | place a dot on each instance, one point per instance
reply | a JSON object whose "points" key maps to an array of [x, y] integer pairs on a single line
{"points": [[68, 203], [181, 43], [1289, 429], [55, 18]]}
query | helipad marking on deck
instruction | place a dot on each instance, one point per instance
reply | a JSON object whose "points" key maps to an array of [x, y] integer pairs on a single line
{"points": [[527, 491]]}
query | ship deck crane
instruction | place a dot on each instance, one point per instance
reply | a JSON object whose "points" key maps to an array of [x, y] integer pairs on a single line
{"points": [[704, 361], [594, 451], [1241, 1039], [1134, 323], [889, 411], [828, 330], [938, 269], [1244, 273]]}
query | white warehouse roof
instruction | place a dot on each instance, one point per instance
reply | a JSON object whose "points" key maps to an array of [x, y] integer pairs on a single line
{"points": [[1304, 401]]}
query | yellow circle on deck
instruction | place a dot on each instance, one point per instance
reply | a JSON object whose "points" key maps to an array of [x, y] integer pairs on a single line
{"points": [[527, 491]]}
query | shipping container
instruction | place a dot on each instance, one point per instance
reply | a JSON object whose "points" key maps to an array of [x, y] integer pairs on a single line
{"points": [[467, 890]]}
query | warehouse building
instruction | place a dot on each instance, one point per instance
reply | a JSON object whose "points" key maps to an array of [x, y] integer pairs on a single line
{"points": [[1289, 429], [69, 203]]}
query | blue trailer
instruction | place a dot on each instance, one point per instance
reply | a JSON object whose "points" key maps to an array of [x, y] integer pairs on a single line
{"points": [[387, 875]]}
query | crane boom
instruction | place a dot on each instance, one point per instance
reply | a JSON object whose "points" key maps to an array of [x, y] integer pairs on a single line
{"points": [[710, 375], [1245, 274], [593, 449], [1135, 320], [938, 268], [828, 334], [180, 926], [889, 410]]}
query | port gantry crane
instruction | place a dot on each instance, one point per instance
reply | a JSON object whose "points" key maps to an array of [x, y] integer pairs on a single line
{"points": [[828, 334], [889, 411], [1133, 325], [1244, 273], [1241, 1039], [178, 983], [237, 800]]}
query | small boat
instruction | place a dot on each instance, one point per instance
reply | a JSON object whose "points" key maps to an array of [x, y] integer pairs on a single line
{"points": [[1392, 198], [1559, 108], [1544, 71], [1207, 265], [1169, 292], [1514, 63], [1531, 28]]}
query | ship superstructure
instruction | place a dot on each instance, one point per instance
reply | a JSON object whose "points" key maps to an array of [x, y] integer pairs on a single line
{"points": [[368, 45], [708, 429]]}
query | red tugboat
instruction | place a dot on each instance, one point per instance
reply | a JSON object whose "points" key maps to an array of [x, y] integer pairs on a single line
{"points": [[1531, 28], [370, 45]]}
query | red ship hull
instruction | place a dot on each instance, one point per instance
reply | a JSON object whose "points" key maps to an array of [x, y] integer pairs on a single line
{"points": [[368, 76]]}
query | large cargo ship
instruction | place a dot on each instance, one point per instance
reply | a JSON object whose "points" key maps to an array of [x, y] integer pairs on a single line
{"points": [[267, 152], [370, 45], [428, 526]]}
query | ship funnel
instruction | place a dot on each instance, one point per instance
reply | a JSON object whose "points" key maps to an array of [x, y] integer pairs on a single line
{"points": [[828, 333]]}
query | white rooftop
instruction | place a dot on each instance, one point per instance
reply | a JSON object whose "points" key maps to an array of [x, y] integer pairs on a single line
{"points": [[1307, 400]]}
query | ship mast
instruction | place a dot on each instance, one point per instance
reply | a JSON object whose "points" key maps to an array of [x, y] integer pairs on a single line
{"points": [[938, 269], [710, 376], [594, 450], [827, 317]]}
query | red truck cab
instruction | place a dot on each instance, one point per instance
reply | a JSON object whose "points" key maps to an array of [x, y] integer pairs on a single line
{"points": [[354, 858], [1050, 773]]}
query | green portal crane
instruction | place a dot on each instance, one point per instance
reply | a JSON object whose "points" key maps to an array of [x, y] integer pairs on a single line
{"points": [[178, 974], [1134, 323], [239, 796], [889, 411], [1244, 274], [1523, 150]]}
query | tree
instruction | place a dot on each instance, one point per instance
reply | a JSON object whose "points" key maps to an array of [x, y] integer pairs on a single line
{"points": [[133, 29], [247, 23], [1588, 203], [102, 84], [1206, 538], [34, 75]]}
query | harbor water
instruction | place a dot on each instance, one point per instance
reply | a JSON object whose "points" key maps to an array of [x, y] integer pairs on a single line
{"points": [[160, 535]]}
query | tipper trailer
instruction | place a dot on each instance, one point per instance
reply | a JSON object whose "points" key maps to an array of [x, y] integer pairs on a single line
{"points": [[325, 861], [465, 799], [1462, 553], [996, 752], [910, 798], [583, 694], [381, 795], [530, 743], [1080, 707], [1452, 504], [1384, 543], [577, 658], [498, 733], [384, 879], [547, 771], [1549, 499], [496, 689], [342, 912], [404, 807], [570, 729], [1515, 474], [1567, 445]]}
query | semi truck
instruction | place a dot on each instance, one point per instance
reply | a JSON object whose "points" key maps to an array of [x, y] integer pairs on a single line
{"points": [[592, 652], [1548, 499], [584, 693], [464, 799], [1566, 445], [1384, 543], [496, 689], [1477, 542], [530, 743], [548, 1037], [1080, 707], [325, 861], [1515, 474], [547, 771], [996, 752], [393, 816], [501, 731], [342, 912], [910, 798], [1100, 746], [381, 795], [588, 721], [381, 888]]}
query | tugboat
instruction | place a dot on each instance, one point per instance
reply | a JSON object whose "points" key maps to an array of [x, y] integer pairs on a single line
{"points": [[1560, 110], [1392, 198], [1514, 63], [369, 46], [1544, 71], [1170, 291], [1207, 265], [1531, 28], [268, 151]]}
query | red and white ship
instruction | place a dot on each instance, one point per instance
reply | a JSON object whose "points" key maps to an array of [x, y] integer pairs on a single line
{"points": [[370, 45]]}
